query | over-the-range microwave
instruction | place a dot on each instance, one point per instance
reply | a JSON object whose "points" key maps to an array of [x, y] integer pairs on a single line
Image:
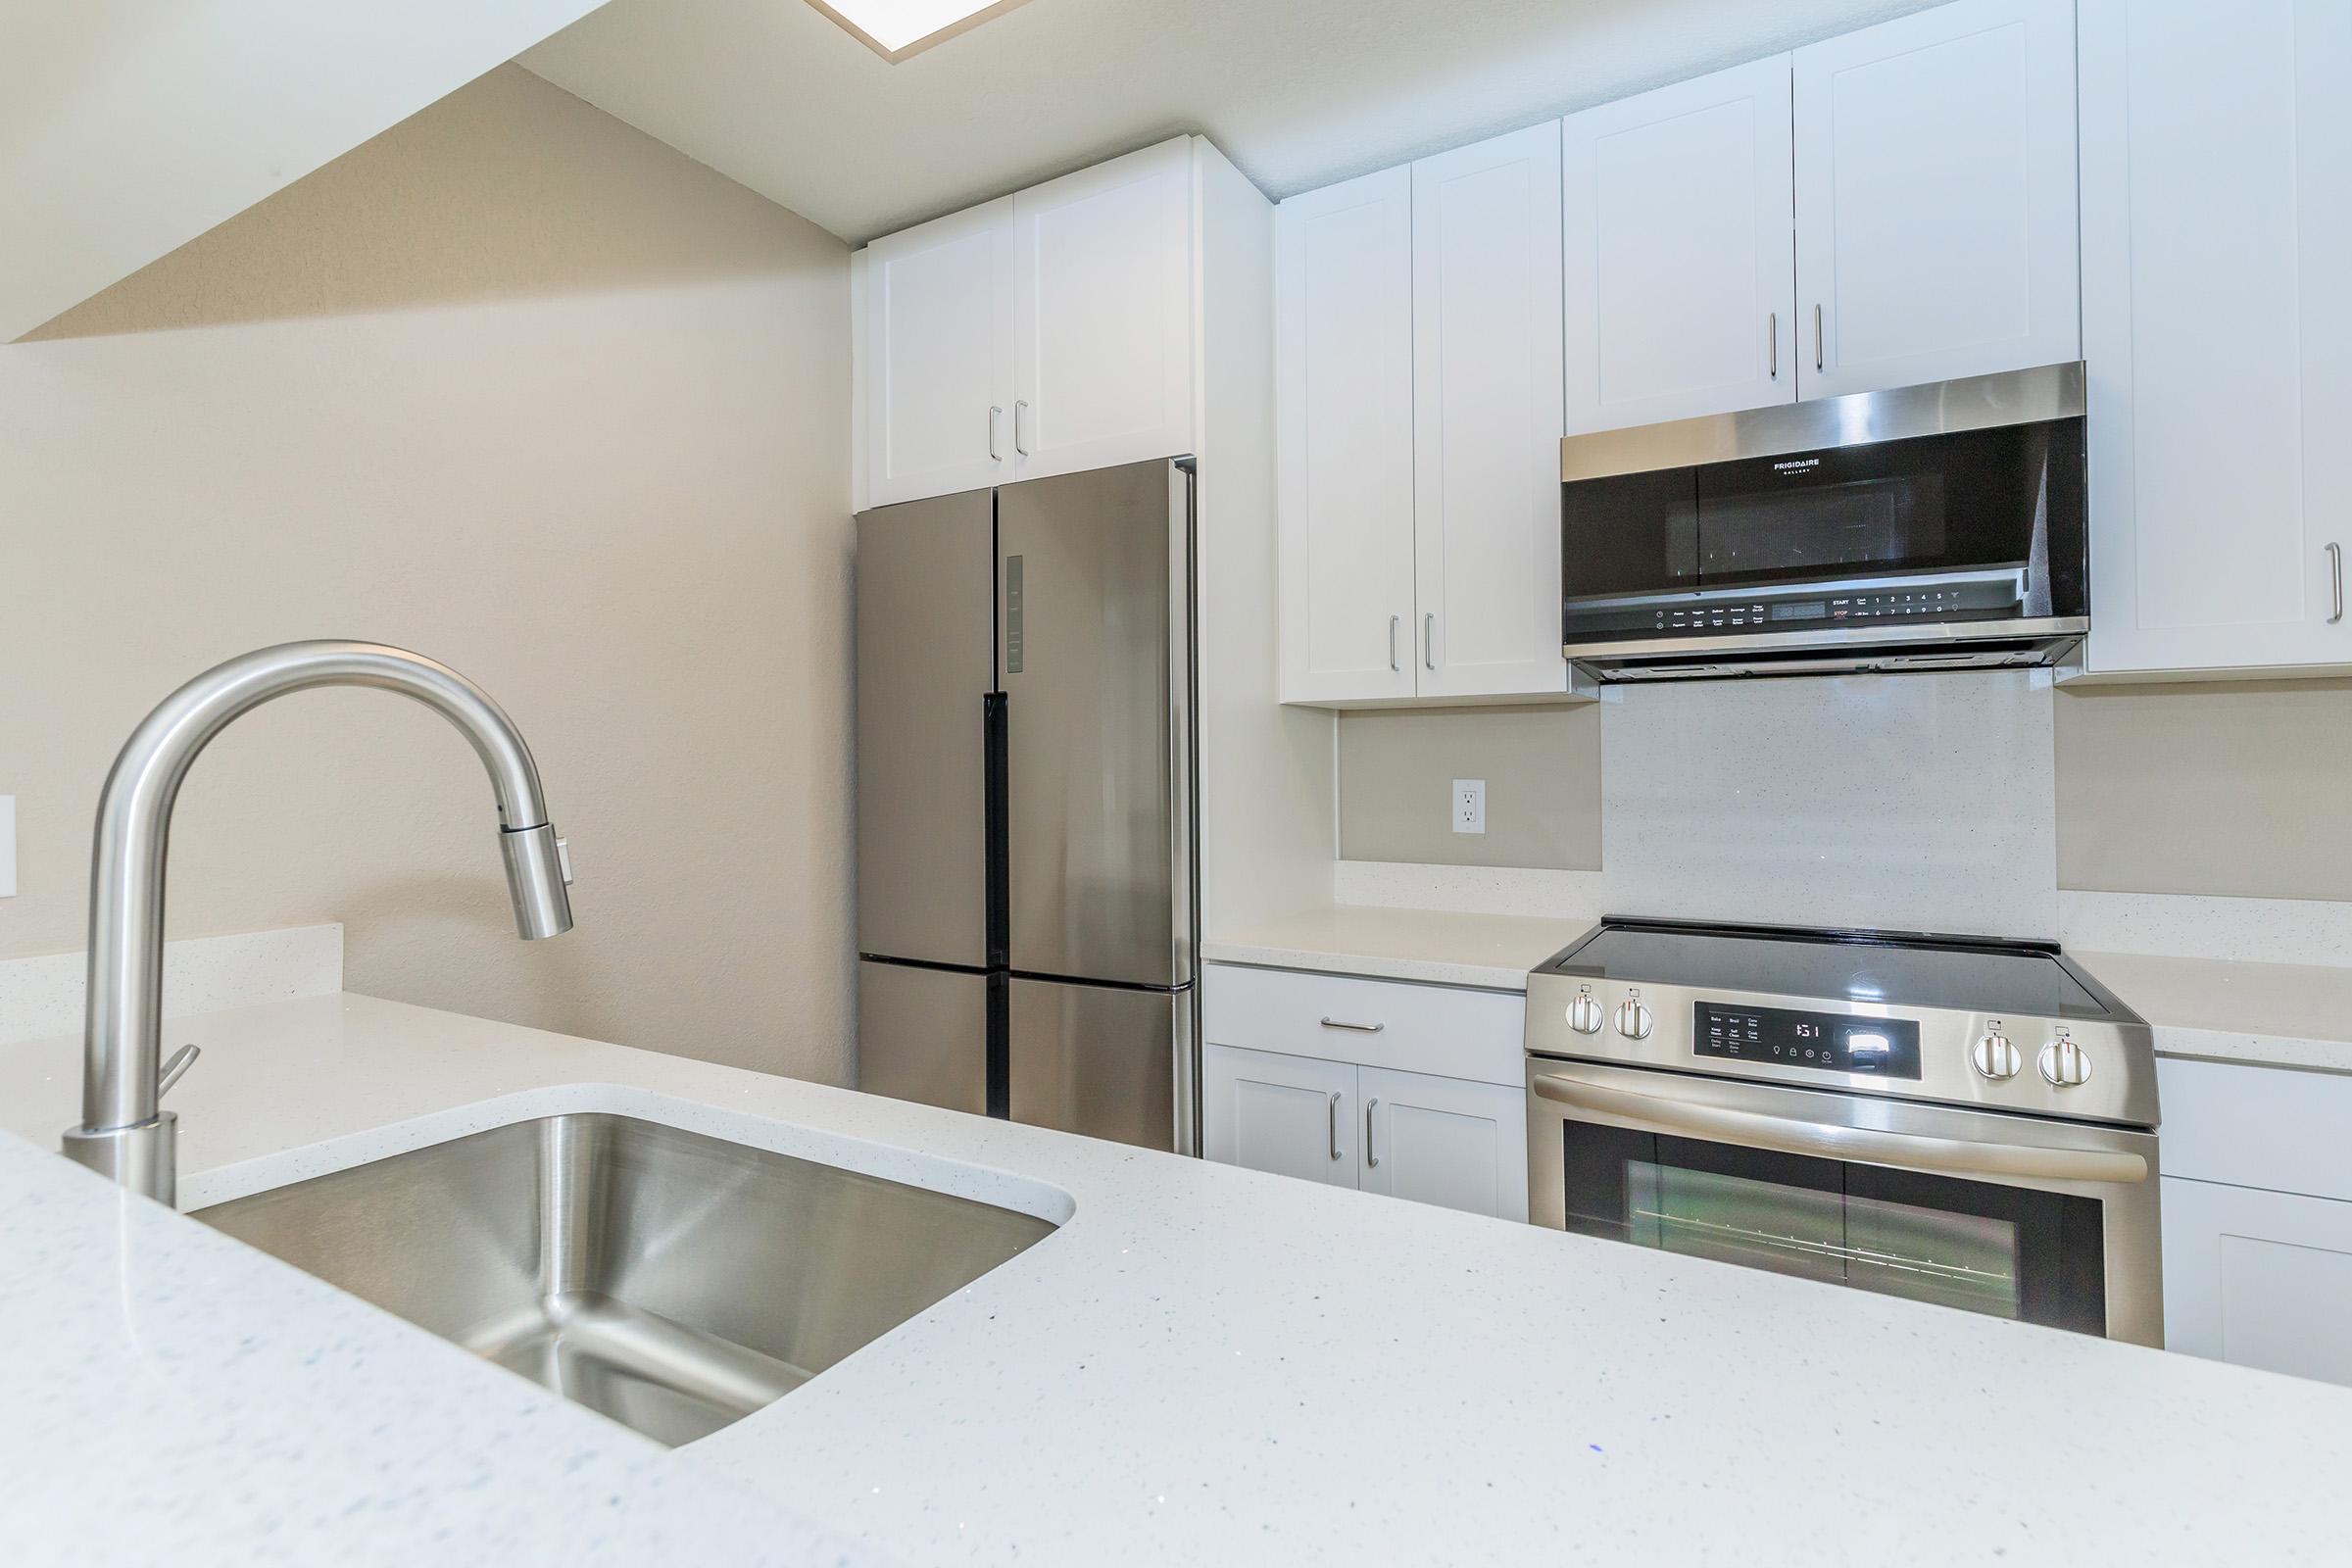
{"points": [[1931, 527]]}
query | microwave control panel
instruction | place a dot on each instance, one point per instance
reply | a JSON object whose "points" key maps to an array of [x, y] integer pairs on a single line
{"points": [[1833, 1042], [1810, 610]]}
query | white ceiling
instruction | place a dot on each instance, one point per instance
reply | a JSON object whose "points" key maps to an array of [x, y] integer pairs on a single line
{"points": [[1296, 92]]}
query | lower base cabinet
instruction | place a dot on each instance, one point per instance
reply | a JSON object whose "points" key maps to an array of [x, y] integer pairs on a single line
{"points": [[2259, 1278], [1412, 1135]]}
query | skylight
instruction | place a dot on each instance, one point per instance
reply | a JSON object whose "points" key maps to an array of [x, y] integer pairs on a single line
{"points": [[897, 28]]}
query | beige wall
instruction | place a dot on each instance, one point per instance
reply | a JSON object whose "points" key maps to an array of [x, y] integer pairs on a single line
{"points": [[2229, 788], [519, 387], [1542, 771], [2234, 788]]}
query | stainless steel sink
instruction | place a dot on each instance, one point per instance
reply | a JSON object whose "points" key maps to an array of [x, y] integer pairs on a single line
{"points": [[671, 1281]]}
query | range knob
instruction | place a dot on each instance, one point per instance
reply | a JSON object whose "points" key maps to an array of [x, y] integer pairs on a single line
{"points": [[2065, 1063], [1583, 1015], [1996, 1058], [1634, 1020]]}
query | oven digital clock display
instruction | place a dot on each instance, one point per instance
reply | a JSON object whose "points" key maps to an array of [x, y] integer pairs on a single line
{"points": [[1883, 1047]]}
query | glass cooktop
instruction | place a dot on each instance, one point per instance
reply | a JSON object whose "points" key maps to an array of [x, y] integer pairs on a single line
{"points": [[1900, 969]]}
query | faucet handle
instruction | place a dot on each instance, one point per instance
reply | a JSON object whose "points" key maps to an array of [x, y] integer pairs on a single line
{"points": [[176, 1067]]}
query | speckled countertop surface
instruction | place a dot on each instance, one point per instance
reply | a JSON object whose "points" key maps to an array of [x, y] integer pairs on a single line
{"points": [[1201, 1365], [1440, 947]]}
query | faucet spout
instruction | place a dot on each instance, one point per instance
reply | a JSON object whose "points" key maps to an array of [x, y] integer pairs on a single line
{"points": [[124, 1134]]}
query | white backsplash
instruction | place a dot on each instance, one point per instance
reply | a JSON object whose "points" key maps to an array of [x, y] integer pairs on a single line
{"points": [[1913, 801], [43, 996]]}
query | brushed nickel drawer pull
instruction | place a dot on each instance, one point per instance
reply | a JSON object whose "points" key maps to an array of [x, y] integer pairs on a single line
{"points": [[1370, 1159], [1333, 1115], [2336, 577], [1359, 1028]]}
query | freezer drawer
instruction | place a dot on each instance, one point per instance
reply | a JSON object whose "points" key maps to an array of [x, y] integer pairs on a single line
{"points": [[1095, 647], [1105, 1062], [926, 665], [922, 1034]]}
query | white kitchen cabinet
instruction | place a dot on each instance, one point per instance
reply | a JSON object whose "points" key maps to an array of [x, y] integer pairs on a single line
{"points": [[1102, 314], [1291, 1115], [936, 357], [2258, 1278], [1487, 418], [1344, 389], [1418, 390], [1048, 331], [1935, 214], [2217, 223], [1444, 1140], [1681, 276], [1430, 1100]]}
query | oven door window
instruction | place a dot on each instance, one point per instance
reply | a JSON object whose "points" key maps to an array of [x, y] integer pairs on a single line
{"points": [[2006, 1252]]}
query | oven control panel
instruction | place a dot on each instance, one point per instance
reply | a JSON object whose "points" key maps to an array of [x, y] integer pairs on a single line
{"points": [[1833, 1042]]}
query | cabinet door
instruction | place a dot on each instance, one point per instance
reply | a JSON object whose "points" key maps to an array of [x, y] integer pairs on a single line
{"points": [[1935, 197], [1445, 1141], [2258, 1279], [937, 357], [1343, 397], [1286, 1114], [1102, 314], [1681, 287], [1487, 416], [2217, 223]]}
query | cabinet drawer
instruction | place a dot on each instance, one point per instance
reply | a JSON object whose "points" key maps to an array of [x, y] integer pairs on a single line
{"points": [[2268, 1127], [1447, 1030]]}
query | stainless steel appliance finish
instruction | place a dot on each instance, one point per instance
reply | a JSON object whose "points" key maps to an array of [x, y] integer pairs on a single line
{"points": [[918, 1024], [670, 1280], [1068, 825], [123, 1134], [1840, 1049], [1094, 646], [1928, 545], [1109, 1060], [923, 678], [1938, 408]]}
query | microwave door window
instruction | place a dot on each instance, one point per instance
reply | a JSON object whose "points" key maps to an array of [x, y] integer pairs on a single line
{"points": [[1630, 534], [1960, 502]]}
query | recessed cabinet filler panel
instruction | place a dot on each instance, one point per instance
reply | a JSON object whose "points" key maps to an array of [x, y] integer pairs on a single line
{"points": [[1933, 527], [1026, 913]]}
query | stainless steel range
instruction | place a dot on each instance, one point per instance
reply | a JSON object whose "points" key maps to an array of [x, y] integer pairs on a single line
{"points": [[1951, 1119]]}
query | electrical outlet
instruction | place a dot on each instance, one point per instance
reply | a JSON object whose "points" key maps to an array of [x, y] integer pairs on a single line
{"points": [[1469, 806]]}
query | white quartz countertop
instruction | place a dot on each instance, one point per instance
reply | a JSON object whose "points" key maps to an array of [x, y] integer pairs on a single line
{"points": [[1441, 947], [1201, 1365]]}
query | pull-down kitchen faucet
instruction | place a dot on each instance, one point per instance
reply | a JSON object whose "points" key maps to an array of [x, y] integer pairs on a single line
{"points": [[123, 1133]]}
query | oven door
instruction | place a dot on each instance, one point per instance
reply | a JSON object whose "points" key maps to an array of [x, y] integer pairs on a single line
{"points": [[2043, 1221]]}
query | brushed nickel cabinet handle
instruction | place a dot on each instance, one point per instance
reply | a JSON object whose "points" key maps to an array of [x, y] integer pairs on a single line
{"points": [[1018, 405], [1370, 1159], [1771, 344], [1393, 623], [1359, 1028], [1429, 641], [1335, 1124], [2336, 577], [994, 411], [1818, 350]]}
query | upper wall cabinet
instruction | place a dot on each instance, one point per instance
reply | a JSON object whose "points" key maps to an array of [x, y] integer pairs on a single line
{"points": [[1042, 333], [1487, 416], [1344, 371], [2217, 221], [938, 356], [1680, 277], [1935, 219], [1418, 391]]}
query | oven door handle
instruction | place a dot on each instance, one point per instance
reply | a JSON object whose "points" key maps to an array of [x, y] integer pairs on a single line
{"points": [[1950, 1157]]}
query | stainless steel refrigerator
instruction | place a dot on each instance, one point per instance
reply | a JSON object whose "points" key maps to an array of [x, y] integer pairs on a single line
{"points": [[1026, 910]]}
